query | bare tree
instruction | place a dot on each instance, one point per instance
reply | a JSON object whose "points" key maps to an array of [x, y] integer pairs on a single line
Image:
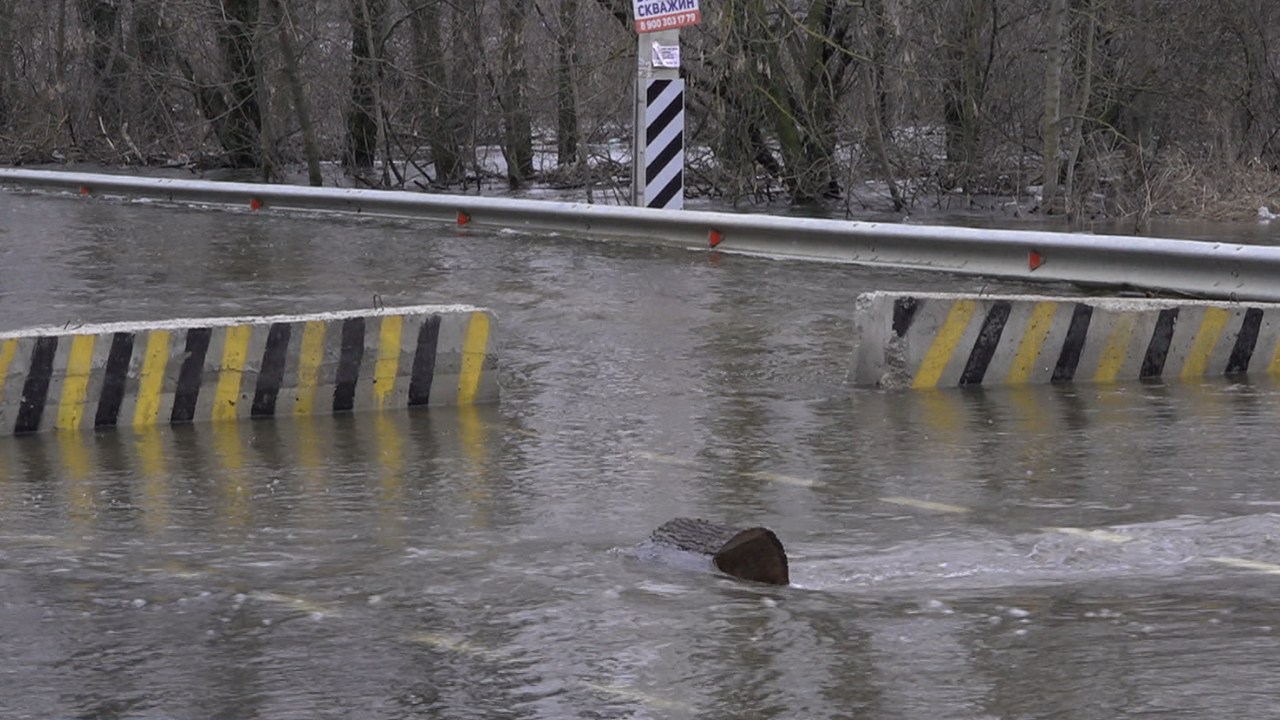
{"points": [[1131, 107], [779, 81], [442, 117], [566, 83], [152, 51], [242, 121], [231, 105], [969, 31], [879, 43], [512, 93], [8, 72], [364, 118], [1079, 118], [280, 16], [107, 60], [1056, 23]]}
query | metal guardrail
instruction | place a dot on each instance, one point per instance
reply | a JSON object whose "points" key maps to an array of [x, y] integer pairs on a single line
{"points": [[1186, 267]]}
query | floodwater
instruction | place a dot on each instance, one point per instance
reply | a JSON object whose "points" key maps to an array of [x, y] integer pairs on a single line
{"points": [[1089, 552]]}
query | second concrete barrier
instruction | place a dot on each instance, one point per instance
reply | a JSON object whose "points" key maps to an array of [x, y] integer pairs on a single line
{"points": [[936, 340], [185, 371]]}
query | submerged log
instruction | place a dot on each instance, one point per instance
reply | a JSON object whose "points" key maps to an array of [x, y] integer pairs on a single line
{"points": [[752, 554]]}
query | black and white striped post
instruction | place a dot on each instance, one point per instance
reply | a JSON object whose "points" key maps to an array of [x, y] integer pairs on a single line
{"points": [[663, 139], [658, 151]]}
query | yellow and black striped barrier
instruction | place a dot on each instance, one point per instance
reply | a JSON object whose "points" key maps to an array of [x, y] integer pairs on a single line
{"points": [[945, 340], [238, 368]]}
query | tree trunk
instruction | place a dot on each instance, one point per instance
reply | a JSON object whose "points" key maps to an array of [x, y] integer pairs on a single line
{"points": [[963, 94], [1051, 128], [283, 20], [815, 107], [517, 125], [363, 118], [101, 19], [153, 54], [467, 66], [1137, 121], [269, 161], [240, 117], [803, 102], [1085, 91], [7, 72], [741, 144], [441, 117], [566, 90], [769, 78], [749, 554], [879, 111], [61, 116], [60, 48]]}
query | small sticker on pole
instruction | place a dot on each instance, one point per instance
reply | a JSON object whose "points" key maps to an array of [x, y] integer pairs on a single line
{"points": [[658, 15], [666, 56]]}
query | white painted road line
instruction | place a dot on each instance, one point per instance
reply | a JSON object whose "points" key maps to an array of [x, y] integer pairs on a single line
{"points": [[1099, 535], [630, 693], [756, 474], [925, 505], [465, 647], [782, 479], [664, 459], [460, 646], [1245, 564], [297, 603]]}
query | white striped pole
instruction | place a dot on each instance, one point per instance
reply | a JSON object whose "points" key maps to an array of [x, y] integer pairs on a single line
{"points": [[658, 150], [664, 144]]}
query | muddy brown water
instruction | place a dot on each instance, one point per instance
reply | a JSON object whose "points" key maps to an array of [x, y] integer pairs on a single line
{"points": [[1057, 552]]}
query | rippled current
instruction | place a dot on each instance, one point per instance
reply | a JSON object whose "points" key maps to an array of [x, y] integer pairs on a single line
{"points": [[1090, 552]]}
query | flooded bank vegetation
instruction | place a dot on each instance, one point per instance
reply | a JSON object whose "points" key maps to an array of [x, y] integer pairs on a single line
{"points": [[1075, 107]]}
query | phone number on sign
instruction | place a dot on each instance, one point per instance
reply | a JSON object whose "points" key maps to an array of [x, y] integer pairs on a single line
{"points": [[667, 22]]}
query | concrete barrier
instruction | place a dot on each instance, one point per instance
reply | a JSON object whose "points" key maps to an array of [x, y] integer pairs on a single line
{"points": [[213, 369], [939, 340]]}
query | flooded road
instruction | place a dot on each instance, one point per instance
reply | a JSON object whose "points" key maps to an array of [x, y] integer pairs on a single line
{"points": [[1086, 552]]}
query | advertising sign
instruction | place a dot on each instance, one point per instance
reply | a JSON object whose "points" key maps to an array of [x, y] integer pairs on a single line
{"points": [[655, 15]]}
